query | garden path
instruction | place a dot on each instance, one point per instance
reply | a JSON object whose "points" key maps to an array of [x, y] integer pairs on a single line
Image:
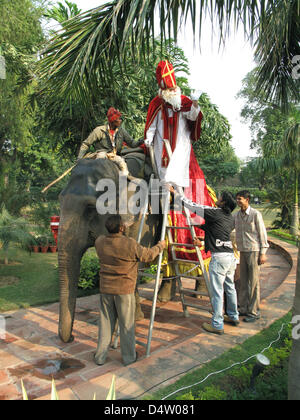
{"points": [[31, 350]]}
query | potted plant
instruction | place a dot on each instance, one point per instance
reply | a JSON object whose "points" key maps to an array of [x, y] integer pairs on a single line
{"points": [[33, 244], [44, 243], [52, 244]]}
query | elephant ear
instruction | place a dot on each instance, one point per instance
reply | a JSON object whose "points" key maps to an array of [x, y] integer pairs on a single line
{"points": [[86, 174], [136, 164]]}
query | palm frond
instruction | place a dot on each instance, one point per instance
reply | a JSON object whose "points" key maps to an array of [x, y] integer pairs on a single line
{"points": [[94, 40], [277, 44]]}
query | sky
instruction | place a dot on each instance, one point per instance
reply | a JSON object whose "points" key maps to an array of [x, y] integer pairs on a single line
{"points": [[219, 73]]}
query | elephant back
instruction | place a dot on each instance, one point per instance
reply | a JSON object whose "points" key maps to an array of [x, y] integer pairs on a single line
{"points": [[87, 173]]}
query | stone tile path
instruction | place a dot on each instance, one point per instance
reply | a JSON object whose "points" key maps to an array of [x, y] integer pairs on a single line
{"points": [[32, 351]]}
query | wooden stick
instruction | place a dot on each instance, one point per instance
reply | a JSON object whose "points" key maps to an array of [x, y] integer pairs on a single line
{"points": [[89, 155], [58, 179]]}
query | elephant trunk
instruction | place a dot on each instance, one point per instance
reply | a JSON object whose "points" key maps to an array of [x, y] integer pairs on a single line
{"points": [[72, 246], [69, 270]]}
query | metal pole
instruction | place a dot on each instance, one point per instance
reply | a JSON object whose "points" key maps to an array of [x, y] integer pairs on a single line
{"points": [[165, 206], [139, 236]]}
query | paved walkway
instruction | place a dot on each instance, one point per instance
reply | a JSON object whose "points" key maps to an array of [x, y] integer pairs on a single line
{"points": [[32, 351]]}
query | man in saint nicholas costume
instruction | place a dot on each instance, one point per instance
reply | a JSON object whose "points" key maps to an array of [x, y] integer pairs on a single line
{"points": [[177, 118]]}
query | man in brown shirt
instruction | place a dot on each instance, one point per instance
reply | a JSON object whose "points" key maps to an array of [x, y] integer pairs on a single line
{"points": [[119, 257]]}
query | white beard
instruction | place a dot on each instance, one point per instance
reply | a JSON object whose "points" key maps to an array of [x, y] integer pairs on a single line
{"points": [[172, 97]]}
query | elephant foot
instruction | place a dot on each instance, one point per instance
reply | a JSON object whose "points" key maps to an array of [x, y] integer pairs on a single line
{"points": [[167, 291], [200, 287], [139, 314]]}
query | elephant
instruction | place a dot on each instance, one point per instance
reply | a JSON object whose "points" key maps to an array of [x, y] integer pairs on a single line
{"points": [[81, 224]]}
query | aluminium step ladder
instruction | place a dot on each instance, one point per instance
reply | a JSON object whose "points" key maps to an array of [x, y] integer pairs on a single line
{"points": [[167, 229]]}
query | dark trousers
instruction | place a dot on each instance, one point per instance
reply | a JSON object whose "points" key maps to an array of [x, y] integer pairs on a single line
{"points": [[113, 308], [249, 290]]}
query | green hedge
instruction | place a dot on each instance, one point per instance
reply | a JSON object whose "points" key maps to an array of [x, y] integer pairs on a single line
{"points": [[284, 235], [89, 272], [271, 384]]}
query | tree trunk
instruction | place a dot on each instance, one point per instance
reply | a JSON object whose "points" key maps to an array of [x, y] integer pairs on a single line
{"points": [[294, 364]]}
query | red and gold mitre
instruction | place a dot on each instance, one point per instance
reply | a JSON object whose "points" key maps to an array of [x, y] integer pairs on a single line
{"points": [[165, 75]]}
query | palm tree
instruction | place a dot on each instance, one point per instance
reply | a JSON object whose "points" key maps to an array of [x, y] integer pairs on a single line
{"points": [[91, 42], [61, 13], [291, 143], [285, 154], [277, 43]]}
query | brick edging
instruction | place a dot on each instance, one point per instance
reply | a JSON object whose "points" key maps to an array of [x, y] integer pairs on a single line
{"points": [[278, 245]]}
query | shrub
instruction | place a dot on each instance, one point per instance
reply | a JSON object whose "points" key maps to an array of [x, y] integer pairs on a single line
{"points": [[271, 384], [89, 272], [12, 230], [284, 235]]}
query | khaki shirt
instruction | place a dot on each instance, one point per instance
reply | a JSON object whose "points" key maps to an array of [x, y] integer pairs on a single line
{"points": [[102, 141], [119, 257], [251, 234]]}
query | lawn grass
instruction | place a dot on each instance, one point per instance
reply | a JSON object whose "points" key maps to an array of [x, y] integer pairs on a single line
{"points": [[269, 215], [234, 383], [38, 280]]}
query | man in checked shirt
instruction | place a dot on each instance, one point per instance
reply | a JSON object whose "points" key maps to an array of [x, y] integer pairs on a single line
{"points": [[252, 242]]}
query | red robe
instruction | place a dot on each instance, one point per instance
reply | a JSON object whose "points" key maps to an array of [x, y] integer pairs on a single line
{"points": [[195, 174], [170, 124]]}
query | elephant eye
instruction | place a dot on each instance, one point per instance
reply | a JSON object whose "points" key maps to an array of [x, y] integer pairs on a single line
{"points": [[90, 211]]}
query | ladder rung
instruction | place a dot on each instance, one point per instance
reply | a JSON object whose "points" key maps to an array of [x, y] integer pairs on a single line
{"points": [[183, 276], [205, 308], [141, 343], [178, 227], [150, 275], [195, 263], [179, 244], [194, 292]]}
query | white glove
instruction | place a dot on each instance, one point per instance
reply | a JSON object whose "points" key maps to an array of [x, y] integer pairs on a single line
{"points": [[195, 95], [148, 142]]}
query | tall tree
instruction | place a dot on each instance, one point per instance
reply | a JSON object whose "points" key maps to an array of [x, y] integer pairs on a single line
{"points": [[21, 36], [275, 134]]}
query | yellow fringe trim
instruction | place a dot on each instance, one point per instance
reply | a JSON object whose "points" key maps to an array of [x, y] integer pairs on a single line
{"points": [[168, 268], [212, 193]]}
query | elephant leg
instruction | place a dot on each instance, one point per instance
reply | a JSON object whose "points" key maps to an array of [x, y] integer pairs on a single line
{"points": [[167, 290], [200, 286], [139, 314]]}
